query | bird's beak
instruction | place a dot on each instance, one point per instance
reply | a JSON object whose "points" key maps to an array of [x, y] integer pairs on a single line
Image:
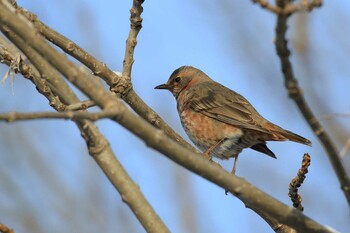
{"points": [[163, 86]]}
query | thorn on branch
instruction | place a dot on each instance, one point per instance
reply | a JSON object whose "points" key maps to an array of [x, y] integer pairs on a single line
{"points": [[297, 182]]}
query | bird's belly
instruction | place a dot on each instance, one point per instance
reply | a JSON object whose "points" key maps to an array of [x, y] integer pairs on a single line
{"points": [[206, 132]]}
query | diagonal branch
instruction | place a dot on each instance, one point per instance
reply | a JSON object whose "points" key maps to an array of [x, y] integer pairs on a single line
{"points": [[296, 94], [5, 229]]}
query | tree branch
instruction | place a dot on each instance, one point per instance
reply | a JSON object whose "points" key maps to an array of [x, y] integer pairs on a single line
{"points": [[5, 229], [296, 94], [290, 6], [266, 5], [83, 105], [81, 115], [303, 5], [297, 181], [135, 27]]}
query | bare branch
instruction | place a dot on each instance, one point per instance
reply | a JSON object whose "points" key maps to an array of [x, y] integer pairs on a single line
{"points": [[83, 105], [290, 6], [80, 115], [345, 149], [303, 5], [5, 229], [135, 27], [296, 94], [268, 6], [297, 182], [276, 225], [334, 115]]}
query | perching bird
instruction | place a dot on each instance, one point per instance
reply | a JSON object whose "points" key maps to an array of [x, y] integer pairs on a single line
{"points": [[219, 121]]}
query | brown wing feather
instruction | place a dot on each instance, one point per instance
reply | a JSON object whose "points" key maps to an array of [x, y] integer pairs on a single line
{"points": [[225, 105]]}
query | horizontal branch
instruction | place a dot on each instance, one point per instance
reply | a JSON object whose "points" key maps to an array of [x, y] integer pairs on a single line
{"points": [[265, 4], [83, 105], [290, 6], [80, 115]]}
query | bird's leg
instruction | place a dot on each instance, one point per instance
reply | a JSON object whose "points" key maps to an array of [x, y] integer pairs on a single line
{"points": [[234, 164], [235, 156], [210, 149]]}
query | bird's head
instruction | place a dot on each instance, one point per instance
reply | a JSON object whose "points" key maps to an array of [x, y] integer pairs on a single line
{"points": [[182, 79]]}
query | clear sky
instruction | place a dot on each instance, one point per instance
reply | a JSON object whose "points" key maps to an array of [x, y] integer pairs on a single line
{"points": [[50, 183]]}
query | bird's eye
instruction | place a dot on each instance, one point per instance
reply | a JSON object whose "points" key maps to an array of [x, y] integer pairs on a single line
{"points": [[177, 79]]}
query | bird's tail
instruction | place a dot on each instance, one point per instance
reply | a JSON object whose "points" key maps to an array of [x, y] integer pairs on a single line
{"points": [[295, 137]]}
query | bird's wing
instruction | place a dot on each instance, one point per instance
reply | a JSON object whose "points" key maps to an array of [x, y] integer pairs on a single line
{"points": [[225, 105]]}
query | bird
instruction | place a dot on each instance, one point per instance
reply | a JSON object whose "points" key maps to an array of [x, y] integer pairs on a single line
{"points": [[218, 120]]}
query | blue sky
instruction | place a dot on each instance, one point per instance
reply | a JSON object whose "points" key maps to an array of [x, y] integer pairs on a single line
{"points": [[47, 172]]}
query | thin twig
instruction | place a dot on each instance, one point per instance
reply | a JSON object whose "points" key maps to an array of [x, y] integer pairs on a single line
{"points": [[73, 115], [297, 182], [290, 6], [345, 148], [135, 27], [305, 5], [268, 6], [296, 94], [83, 105], [335, 115], [5, 229]]}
